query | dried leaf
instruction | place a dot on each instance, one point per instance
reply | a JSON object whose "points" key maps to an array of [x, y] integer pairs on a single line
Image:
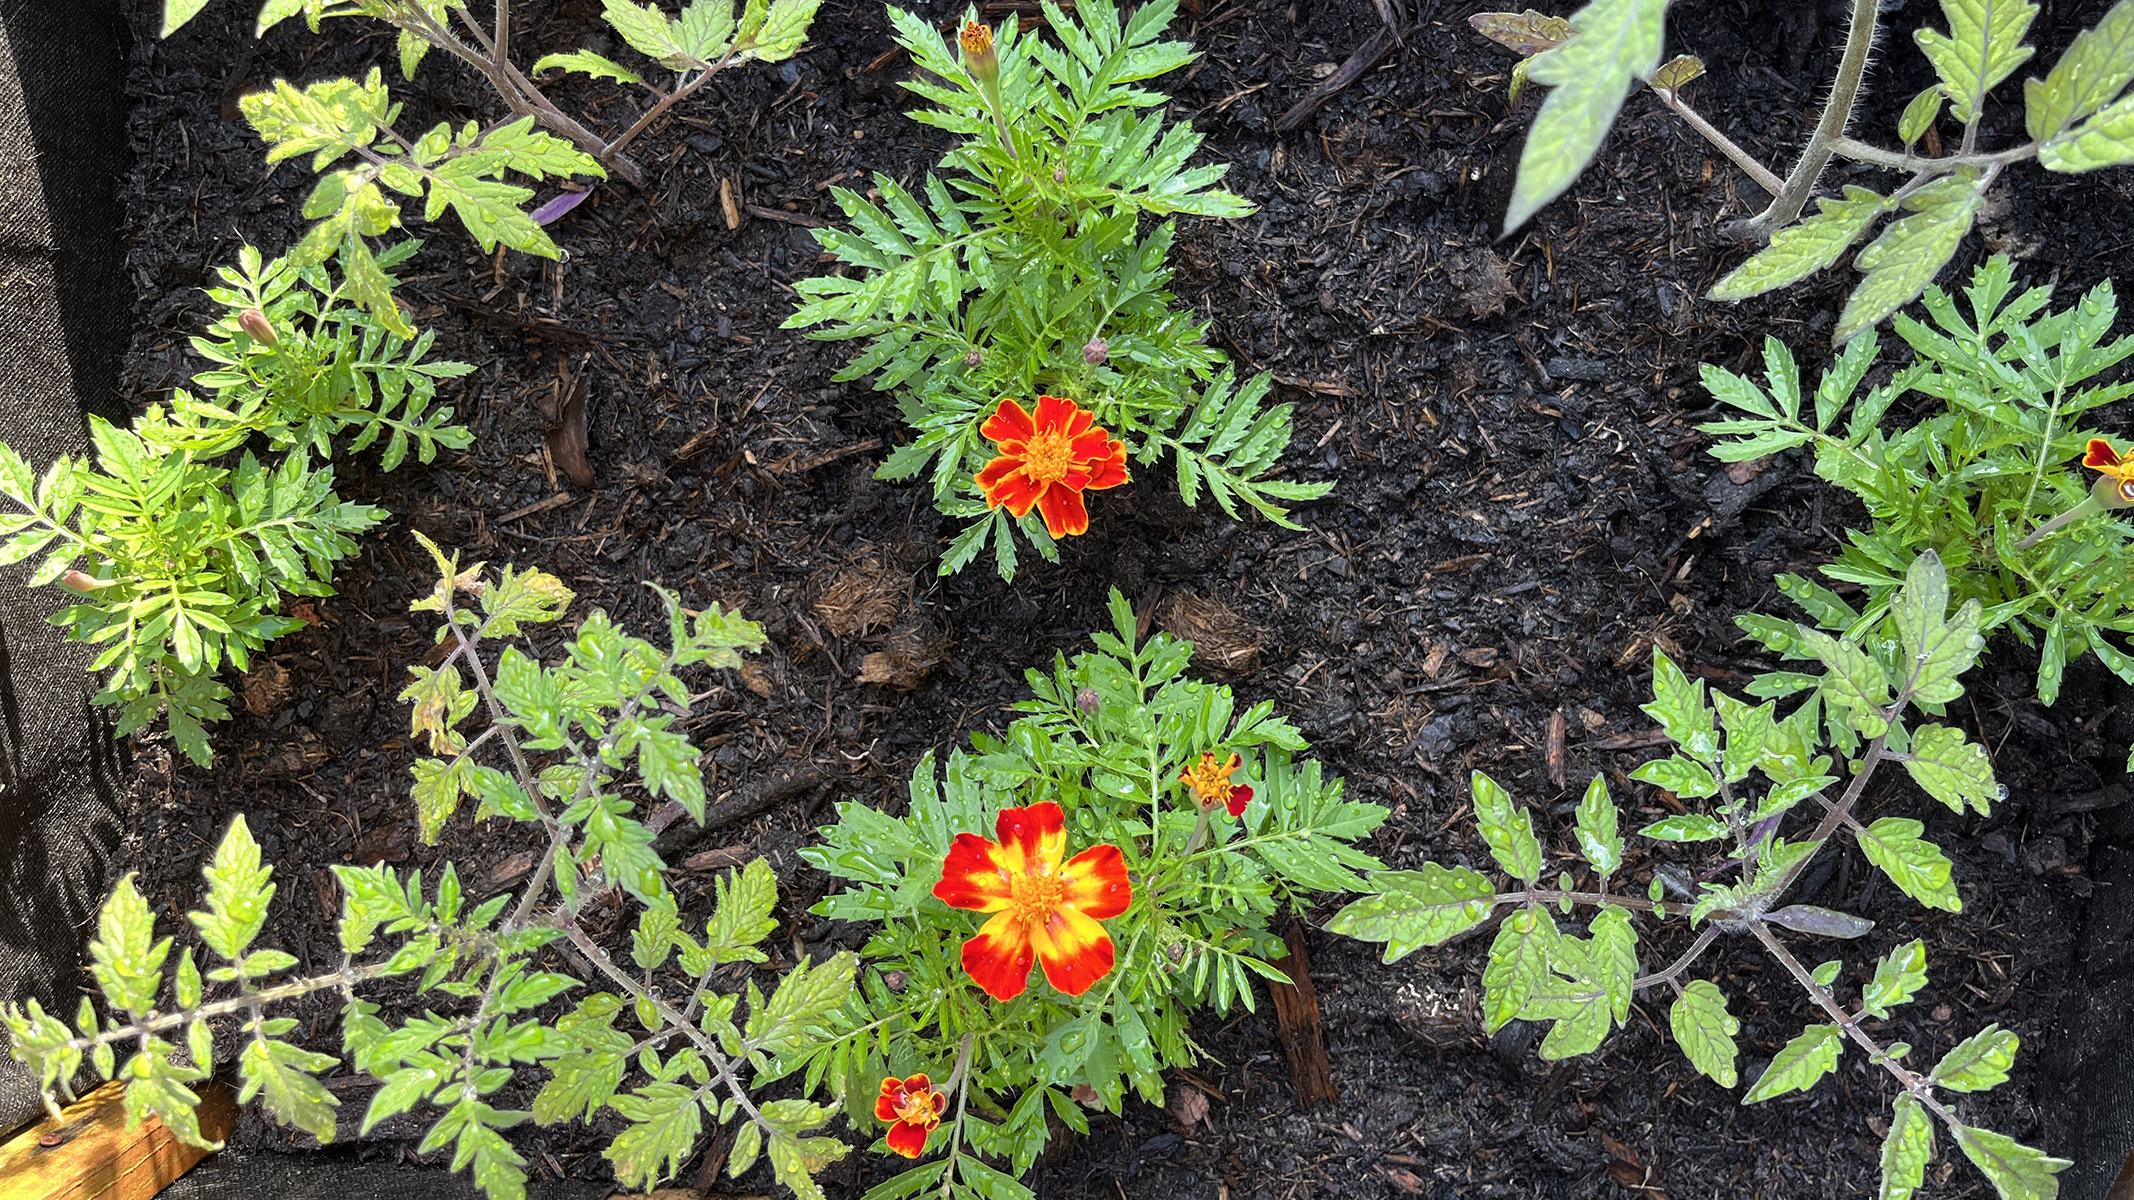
{"points": [[1523, 33], [264, 688], [864, 596], [1223, 639], [908, 655], [1677, 71]]}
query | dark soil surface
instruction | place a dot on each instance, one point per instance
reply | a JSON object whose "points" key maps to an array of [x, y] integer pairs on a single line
{"points": [[1522, 511]]}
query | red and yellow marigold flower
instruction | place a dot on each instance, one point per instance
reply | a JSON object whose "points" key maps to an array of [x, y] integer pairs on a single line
{"points": [[1209, 781], [1048, 460], [912, 1108], [2102, 458], [1042, 909]]}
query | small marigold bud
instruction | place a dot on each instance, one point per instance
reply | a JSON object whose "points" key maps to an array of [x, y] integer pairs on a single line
{"points": [[82, 581], [1177, 951], [258, 327], [1097, 352], [1086, 700], [972, 358], [1059, 174], [978, 56], [896, 981]]}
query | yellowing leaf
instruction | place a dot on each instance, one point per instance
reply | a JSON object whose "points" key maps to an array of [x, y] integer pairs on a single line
{"points": [[1678, 72], [1523, 33]]}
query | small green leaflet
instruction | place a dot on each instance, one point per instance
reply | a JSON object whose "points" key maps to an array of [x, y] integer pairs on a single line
{"points": [[1920, 114], [177, 12], [1679, 706], [1937, 650], [1898, 977], [1979, 1063], [1574, 998], [1798, 1065], [2018, 1172], [1518, 963], [2105, 140], [1679, 775], [1508, 829], [1952, 769], [1691, 828], [1614, 43], [1706, 1031], [1615, 958], [1597, 837], [1798, 251], [587, 62], [1413, 909], [1906, 1150], [2096, 68], [1984, 45], [1913, 864], [1901, 263], [1853, 681]]}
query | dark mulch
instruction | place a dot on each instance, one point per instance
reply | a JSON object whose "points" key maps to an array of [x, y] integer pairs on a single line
{"points": [[1518, 485]]}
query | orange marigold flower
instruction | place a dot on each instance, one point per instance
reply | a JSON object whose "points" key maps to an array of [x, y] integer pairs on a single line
{"points": [[1210, 784], [978, 54], [1047, 461], [912, 1109], [2101, 457], [1041, 908]]}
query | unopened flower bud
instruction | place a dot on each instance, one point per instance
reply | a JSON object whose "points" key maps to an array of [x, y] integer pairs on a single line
{"points": [[260, 329], [896, 981], [978, 56], [1097, 352], [972, 358], [1177, 951], [1086, 700], [82, 581], [1059, 174]]}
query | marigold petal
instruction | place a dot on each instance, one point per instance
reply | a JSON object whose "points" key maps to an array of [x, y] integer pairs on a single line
{"points": [[1097, 886], [1055, 413], [1065, 514], [1004, 483], [2100, 456], [918, 1083], [1240, 796], [975, 876], [1091, 445], [998, 959], [1009, 423], [1031, 838], [885, 1105], [907, 1139], [1108, 471], [1074, 950]]}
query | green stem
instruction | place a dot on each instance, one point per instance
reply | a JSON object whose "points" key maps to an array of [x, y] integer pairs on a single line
{"points": [[1786, 207]]}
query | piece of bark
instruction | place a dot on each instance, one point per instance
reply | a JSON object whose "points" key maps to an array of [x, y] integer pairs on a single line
{"points": [[567, 440], [1368, 55], [1296, 1010], [743, 802], [89, 1154]]}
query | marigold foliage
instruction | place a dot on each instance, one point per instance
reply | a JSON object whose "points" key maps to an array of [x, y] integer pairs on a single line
{"points": [[1004, 275], [1999, 456], [1105, 738]]}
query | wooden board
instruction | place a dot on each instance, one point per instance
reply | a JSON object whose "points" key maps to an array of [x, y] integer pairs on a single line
{"points": [[91, 1155]]}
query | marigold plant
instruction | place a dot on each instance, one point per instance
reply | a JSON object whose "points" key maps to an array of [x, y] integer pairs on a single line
{"points": [[1034, 265], [1072, 946]]}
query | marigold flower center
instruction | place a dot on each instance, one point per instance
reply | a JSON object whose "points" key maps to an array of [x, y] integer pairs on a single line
{"points": [[1048, 457], [917, 1108], [1036, 896]]}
